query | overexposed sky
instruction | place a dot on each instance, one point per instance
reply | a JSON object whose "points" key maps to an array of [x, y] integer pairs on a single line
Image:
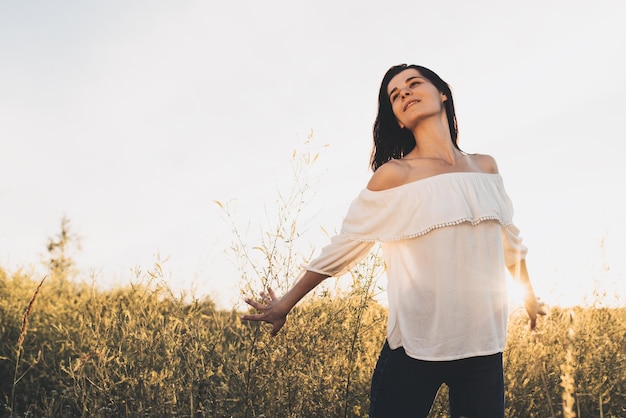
{"points": [[132, 117]]}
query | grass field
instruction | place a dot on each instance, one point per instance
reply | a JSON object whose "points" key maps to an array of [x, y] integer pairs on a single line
{"points": [[142, 351]]}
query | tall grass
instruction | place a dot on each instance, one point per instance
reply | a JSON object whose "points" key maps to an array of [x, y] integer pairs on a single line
{"points": [[20, 339], [140, 350]]}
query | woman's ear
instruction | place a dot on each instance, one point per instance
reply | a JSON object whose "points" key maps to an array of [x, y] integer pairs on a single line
{"points": [[443, 97], [401, 125]]}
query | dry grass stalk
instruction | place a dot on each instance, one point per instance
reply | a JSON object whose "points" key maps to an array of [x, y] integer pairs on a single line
{"points": [[20, 339], [27, 312], [567, 376]]}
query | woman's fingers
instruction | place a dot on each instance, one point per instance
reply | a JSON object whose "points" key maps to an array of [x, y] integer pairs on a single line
{"points": [[534, 307], [267, 300], [254, 317], [255, 304], [266, 308]]}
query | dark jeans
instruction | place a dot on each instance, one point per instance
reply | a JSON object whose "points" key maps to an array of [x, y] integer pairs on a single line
{"points": [[405, 387]]}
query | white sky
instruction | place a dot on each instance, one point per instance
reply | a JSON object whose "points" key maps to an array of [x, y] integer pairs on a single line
{"points": [[132, 117]]}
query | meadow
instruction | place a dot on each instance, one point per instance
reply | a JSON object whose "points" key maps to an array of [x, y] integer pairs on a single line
{"points": [[71, 349], [141, 351]]}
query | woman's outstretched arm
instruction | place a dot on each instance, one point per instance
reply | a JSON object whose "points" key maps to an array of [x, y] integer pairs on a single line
{"points": [[274, 309], [519, 272]]}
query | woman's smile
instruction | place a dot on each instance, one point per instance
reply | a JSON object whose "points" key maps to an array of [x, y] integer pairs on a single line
{"points": [[410, 103]]}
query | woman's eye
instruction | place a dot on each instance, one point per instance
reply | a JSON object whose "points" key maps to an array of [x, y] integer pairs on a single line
{"points": [[414, 83]]}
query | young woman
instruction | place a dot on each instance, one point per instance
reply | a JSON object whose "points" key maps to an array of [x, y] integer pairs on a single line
{"points": [[445, 224]]}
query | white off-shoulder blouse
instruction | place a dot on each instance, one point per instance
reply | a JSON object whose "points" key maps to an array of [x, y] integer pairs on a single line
{"points": [[446, 241]]}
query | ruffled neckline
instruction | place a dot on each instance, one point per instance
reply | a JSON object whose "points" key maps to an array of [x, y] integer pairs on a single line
{"points": [[434, 177], [414, 209]]}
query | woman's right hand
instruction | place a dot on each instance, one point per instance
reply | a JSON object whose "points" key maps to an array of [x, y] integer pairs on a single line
{"points": [[274, 310], [270, 311]]}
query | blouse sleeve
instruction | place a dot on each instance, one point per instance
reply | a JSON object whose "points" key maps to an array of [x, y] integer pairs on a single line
{"points": [[339, 256], [414, 209], [514, 249]]}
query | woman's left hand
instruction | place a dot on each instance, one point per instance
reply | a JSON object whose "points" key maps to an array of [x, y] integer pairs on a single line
{"points": [[534, 307]]}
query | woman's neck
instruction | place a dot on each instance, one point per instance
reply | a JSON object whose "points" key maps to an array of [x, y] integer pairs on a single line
{"points": [[433, 141]]}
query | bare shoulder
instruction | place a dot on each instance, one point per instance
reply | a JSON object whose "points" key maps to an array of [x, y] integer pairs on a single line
{"points": [[391, 174], [485, 163]]}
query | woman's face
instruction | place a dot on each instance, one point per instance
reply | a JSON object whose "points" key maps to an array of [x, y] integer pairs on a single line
{"points": [[413, 98]]}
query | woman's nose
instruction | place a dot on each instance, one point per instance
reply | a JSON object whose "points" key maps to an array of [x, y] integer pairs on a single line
{"points": [[406, 92]]}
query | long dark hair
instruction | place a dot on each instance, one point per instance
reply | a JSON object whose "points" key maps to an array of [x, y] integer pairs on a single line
{"points": [[390, 140]]}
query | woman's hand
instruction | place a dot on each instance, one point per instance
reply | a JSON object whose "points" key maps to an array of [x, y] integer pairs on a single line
{"points": [[533, 307], [270, 311], [274, 310]]}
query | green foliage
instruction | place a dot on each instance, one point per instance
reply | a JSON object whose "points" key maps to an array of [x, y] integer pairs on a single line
{"points": [[578, 353], [142, 351]]}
